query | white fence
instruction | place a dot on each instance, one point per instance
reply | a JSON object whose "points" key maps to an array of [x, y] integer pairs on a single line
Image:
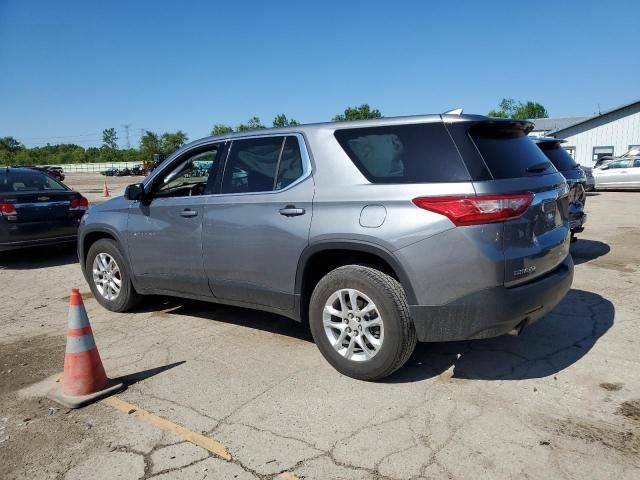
{"points": [[95, 167]]}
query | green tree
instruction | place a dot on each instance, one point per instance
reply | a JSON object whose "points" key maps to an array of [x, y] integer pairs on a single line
{"points": [[170, 142], [282, 121], [531, 110], [110, 138], [254, 123], [221, 129], [150, 144], [363, 112], [509, 108], [10, 144]]}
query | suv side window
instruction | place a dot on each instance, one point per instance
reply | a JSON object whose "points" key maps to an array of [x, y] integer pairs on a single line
{"points": [[636, 163], [190, 176], [262, 164]]}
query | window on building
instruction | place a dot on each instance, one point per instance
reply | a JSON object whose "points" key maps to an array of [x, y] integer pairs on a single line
{"points": [[599, 152], [634, 150], [571, 151]]}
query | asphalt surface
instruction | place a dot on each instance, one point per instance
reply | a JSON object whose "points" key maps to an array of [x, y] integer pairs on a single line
{"points": [[560, 401]]}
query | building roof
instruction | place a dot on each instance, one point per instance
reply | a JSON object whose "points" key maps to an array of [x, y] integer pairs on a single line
{"points": [[586, 119], [549, 124]]}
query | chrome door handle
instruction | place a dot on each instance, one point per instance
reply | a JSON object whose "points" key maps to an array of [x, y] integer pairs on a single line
{"points": [[188, 213], [292, 211]]}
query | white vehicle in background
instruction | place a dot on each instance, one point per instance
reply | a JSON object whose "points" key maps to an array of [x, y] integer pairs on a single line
{"points": [[621, 173]]}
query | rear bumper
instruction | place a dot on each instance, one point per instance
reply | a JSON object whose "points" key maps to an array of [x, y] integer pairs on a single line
{"points": [[31, 234], [6, 246], [493, 311]]}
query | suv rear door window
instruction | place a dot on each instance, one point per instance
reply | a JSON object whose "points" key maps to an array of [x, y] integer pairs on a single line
{"points": [[251, 165], [419, 153], [509, 152], [262, 164], [290, 165]]}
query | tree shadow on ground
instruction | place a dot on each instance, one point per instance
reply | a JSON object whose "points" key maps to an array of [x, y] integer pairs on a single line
{"points": [[548, 346], [586, 250], [39, 257]]}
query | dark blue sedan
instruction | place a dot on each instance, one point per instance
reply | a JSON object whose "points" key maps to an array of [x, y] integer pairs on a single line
{"points": [[36, 209]]}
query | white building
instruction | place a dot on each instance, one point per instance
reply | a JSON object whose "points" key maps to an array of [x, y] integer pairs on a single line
{"points": [[610, 133]]}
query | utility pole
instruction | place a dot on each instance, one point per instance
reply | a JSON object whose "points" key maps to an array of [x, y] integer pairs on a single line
{"points": [[126, 133]]}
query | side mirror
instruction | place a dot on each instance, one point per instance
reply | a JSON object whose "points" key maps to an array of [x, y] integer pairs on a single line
{"points": [[135, 191]]}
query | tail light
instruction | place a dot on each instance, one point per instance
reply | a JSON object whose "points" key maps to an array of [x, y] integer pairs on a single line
{"points": [[469, 210], [8, 210], [79, 204]]}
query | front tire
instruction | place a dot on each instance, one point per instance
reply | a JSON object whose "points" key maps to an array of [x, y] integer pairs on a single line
{"points": [[109, 278], [359, 319]]}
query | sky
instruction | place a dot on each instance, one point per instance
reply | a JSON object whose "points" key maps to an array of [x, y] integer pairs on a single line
{"points": [[69, 69]]}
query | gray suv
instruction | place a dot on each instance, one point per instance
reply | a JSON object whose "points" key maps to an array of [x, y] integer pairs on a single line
{"points": [[375, 233]]}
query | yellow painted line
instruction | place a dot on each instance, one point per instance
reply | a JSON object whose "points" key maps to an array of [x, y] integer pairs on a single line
{"points": [[210, 444], [287, 476]]}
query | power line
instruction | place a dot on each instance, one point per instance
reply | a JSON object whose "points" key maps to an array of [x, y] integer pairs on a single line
{"points": [[63, 136]]}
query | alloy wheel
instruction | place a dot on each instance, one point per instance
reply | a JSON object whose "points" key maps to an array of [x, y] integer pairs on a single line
{"points": [[353, 325]]}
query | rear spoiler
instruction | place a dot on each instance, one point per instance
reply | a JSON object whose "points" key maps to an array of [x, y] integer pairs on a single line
{"points": [[505, 124]]}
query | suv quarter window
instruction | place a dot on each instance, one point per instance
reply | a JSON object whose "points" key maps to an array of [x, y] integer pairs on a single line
{"points": [[417, 153]]}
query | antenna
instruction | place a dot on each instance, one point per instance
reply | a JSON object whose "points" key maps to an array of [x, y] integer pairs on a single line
{"points": [[126, 134], [455, 111]]}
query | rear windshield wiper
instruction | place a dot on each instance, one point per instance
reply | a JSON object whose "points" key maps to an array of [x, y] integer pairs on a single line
{"points": [[538, 167]]}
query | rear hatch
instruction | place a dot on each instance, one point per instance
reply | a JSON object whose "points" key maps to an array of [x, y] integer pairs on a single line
{"points": [[44, 206], [506, 161]]}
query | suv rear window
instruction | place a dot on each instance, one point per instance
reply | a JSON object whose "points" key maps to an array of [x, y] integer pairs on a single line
{"points": [[419, 153], [558, 156], [509, 152]]}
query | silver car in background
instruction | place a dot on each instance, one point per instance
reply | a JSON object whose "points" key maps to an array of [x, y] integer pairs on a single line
{"points": [[620, 173], [375, 233]]}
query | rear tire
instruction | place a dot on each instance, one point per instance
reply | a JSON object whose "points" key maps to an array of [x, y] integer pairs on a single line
{"points": [[384, 337], [105, 267]]}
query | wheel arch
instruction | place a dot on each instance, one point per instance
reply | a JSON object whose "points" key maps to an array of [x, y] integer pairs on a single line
{"points": [[90, 237], [320, 258]]}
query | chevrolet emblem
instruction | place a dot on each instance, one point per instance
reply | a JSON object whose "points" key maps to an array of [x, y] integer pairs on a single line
{"points": [[43, 199]]}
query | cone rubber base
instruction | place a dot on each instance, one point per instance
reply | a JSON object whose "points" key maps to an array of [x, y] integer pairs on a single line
{"points": [[82, 400]]}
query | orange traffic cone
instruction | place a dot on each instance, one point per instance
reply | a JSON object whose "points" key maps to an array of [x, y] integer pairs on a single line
{"points": [[105, 190], [84, 379]]}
